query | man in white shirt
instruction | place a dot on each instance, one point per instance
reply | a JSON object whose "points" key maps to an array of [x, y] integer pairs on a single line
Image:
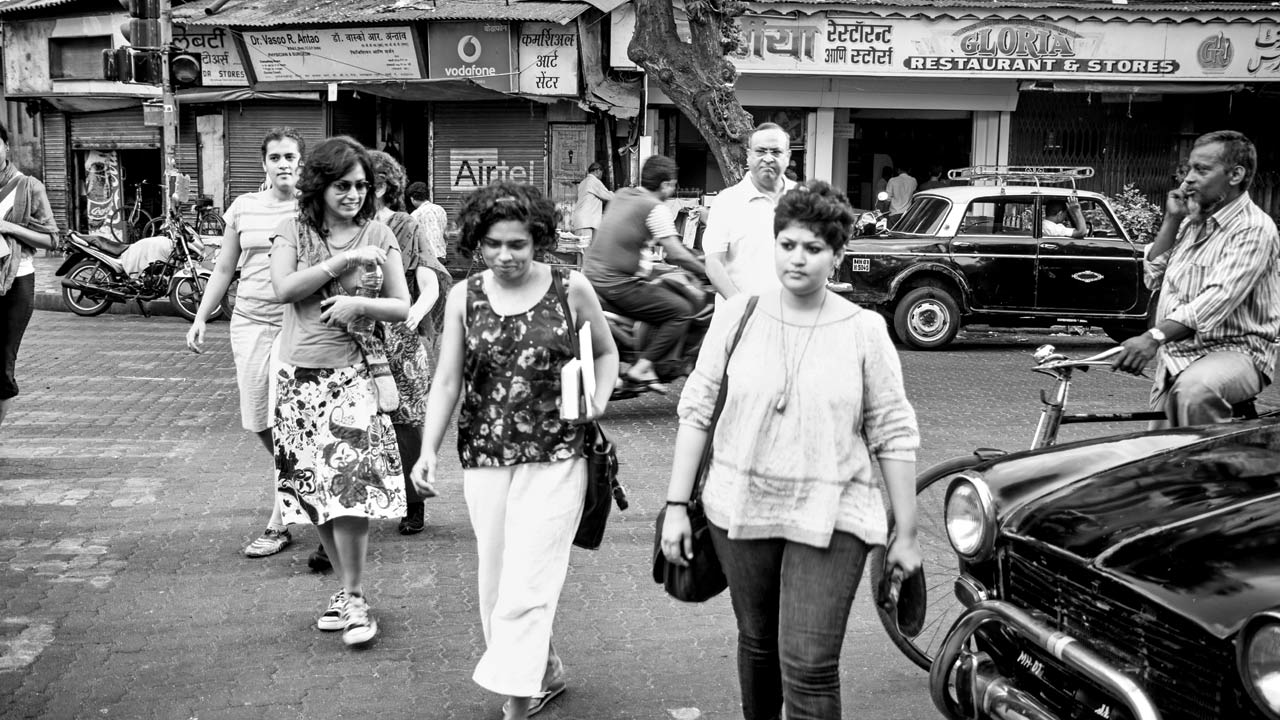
{"points": [[739, 237], [900, 189], [1057, 214]]}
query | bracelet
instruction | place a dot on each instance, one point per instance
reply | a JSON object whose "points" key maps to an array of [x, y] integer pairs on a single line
{"points": [[679, 503], [325, 267]]}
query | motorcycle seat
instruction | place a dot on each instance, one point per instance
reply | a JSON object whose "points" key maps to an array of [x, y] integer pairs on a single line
{"points": [[106, 245]]}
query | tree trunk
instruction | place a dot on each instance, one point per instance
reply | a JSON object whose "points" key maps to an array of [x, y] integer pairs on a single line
{"points": [[697, 75]]}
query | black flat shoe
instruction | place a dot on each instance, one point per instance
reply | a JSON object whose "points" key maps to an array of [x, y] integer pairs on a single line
{"points": [[319, 561], [413, 522]]}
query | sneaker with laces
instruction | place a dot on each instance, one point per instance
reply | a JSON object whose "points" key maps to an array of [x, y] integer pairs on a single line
{"points": [[359, 625], [331, 619], [269, 542]]}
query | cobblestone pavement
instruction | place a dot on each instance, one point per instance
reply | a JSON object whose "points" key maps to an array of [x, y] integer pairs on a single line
{"points": [[127, 490]]}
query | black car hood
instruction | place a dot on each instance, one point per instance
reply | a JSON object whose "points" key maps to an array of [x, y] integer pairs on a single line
{"points": [[1195, 525]]}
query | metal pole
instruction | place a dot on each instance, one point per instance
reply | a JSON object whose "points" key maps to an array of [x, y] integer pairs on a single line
{"points": [[169, 142]]}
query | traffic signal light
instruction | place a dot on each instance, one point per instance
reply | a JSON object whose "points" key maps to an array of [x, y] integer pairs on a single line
{"points": [[143, 27], [184, 69], [131, 65]]}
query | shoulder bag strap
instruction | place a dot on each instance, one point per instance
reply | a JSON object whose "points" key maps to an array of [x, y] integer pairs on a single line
{"points": [[558, 284], [704, 463]]}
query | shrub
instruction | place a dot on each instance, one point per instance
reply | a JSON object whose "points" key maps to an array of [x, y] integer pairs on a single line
{"points": [[1139, 216]]}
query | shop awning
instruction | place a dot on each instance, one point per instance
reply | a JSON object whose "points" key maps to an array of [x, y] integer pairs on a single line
{"points": [[281, 13], [409, 90], [216, 95], [1128, 88]]}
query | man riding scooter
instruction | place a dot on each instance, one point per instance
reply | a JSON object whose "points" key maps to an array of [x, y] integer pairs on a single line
{"points": [[635, 219]]}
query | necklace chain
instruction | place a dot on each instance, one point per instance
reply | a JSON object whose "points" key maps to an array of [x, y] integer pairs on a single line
{"points": [[791, 363]]}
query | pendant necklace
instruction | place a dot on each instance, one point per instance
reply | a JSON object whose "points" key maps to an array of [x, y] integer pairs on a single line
{"points": [[791, 366]]}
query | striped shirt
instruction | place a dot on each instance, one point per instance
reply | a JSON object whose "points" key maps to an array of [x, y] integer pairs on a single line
{"points": [[434, 221], [1222, 281], [255, 216]]}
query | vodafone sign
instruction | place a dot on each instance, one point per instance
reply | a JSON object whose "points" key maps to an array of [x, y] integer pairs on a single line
{"points": [[475, 51]]}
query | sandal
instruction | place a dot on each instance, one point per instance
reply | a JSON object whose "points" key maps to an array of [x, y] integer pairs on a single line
{"points": [[650, 384]]}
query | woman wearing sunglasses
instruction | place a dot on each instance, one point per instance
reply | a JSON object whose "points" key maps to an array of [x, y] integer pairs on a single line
{"points": [[337, 464]]}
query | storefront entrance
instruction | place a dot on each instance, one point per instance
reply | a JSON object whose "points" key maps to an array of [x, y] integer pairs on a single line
{"points": [[879, 145]]}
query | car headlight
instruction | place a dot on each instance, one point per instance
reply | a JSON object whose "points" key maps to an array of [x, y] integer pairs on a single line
{"points": [[971, 517], [1260, 662]]}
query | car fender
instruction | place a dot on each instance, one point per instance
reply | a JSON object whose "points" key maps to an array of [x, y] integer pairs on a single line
{"points": [[932, 268]]}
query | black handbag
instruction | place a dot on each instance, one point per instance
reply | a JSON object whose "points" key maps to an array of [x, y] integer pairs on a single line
{"points": [[602, 462], [703, 578], [902, 598]]}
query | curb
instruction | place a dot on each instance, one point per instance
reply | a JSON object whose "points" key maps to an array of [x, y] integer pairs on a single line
{"points": [[53, 302]]}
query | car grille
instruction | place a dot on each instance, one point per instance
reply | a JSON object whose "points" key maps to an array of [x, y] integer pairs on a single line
{"points": [[1187, 672]]}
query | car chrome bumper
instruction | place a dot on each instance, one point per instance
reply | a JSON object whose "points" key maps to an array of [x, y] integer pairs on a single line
{"points": [[982, 692]]}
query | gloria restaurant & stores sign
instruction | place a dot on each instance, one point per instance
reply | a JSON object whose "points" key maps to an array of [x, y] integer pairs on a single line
{"points": [[850, 44]]}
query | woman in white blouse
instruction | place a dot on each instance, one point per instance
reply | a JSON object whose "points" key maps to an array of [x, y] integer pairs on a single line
{"points": [[814, 392]]}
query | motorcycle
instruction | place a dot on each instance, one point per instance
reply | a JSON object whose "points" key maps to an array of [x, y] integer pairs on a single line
{"points": [[631, 335], [99, 271]]}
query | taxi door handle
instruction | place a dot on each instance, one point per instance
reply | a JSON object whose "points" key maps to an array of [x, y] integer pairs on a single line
{"points": [[1050, 246]]}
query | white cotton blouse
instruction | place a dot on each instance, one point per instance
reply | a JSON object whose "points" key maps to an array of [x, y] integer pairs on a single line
{"points": [[806, 472]]}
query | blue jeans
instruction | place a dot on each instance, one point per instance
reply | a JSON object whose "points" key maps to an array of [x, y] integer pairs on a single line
{"points": [[792, 603]]}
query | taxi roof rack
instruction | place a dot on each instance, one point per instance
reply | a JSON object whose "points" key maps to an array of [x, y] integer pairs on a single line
{"points": [[1039, 174]]}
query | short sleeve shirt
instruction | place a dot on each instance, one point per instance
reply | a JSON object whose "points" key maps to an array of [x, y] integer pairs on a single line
{"points": [[741, 226], [305, 341], [255, 217]]}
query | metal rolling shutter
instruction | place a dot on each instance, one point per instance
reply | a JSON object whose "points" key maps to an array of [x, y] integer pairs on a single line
{"points": [[187, 158], [247, 123], [511, 133], [113, 130], [56, 181]]}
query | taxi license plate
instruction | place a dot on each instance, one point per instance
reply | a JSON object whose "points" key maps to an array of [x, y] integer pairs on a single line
{"points": [[860, 264]]}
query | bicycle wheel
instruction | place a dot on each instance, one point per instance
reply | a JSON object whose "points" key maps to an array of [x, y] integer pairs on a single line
{"points": [[154, 227], [209, 222], [186, 295], [941, 565]]}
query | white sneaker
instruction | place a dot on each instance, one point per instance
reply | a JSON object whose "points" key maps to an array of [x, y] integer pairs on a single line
{"points": [[331, 619], [358, 627]]}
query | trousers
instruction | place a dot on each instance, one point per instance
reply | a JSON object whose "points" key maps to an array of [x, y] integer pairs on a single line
{"points": [[524, 517], [792, 604], [1206, 390], [16, 307], [666, 309]]}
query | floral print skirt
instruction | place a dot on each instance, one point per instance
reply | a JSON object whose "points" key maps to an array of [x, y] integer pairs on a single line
{"points": [[336, 455]]}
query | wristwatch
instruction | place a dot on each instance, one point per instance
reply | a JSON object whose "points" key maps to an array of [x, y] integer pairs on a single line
{"points": [[1157, 335]]}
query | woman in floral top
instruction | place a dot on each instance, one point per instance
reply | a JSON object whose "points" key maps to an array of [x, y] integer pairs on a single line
{"points": [[505, 341]]}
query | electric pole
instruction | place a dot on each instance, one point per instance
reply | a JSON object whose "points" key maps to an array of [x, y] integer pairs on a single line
{"points": [[169, 140]]}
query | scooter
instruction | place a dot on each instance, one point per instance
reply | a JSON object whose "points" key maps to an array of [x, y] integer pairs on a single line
{"points": [[631, 335], [96, 272]]}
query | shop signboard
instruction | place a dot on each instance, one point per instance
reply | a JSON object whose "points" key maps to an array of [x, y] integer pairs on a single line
{"points": [[471, 168], [380, 52], [548, 59], [851, 44], [477, 51], [220, 64]]}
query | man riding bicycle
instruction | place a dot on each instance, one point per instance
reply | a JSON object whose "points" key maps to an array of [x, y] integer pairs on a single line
{"points": [[635, 219]]}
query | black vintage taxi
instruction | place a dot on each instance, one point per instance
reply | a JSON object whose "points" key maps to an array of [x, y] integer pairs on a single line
{"points": [[974, 254], [1133, 577]]}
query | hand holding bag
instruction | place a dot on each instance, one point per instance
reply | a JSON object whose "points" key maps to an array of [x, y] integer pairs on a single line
{"points": [[602, 460], [703, 578]]}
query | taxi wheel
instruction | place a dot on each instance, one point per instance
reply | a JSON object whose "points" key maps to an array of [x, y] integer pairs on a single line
{"points": [[927, 318]]}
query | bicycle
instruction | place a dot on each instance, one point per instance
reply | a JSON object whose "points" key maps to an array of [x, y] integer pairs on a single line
{"points": [[129, 223], [207, 221], [942, 564]]}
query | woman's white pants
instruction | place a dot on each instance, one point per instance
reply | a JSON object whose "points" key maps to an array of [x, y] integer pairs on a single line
{"points": [[524, 517]]}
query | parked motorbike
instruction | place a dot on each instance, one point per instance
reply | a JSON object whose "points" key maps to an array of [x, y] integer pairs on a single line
{"points": [[631, 335], [97, 273], [876, 221]]}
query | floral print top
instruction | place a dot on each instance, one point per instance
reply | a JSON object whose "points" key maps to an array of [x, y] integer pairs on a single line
{"points": [[511, 383]]}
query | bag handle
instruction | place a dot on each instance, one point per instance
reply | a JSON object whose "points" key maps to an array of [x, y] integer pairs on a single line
{"points": [[704, 463]]}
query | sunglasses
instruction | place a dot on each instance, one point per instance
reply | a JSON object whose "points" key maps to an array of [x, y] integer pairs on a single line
{"points": [[344, 186]]}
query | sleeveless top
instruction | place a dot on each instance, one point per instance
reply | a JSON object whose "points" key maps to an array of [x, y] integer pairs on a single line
{"points": [[511, 383]]}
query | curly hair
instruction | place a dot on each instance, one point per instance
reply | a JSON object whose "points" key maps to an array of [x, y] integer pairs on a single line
{"points": [[507, 201], [284, 133], [391, 173], [819, 208], [329, 161]]}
